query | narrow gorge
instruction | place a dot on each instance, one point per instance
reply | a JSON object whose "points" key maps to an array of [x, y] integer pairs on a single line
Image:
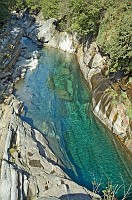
{"points": [[51, 143], [94, 67]]}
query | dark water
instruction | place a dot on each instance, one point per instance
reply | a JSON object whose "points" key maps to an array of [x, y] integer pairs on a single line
{"points": [[58, 103]]}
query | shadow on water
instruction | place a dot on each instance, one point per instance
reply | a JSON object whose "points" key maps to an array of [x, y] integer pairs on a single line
{"points": [[58, 104], [54, 144], [29, 120]]}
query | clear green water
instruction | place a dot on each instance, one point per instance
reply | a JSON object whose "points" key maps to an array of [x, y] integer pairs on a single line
{"points": [[58, 103]]}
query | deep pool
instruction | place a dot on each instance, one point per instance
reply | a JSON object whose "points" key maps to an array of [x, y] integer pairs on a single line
{"points": [[58, 103]]}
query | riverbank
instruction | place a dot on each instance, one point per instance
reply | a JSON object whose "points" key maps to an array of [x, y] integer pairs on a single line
{"points": [[29, 169]]}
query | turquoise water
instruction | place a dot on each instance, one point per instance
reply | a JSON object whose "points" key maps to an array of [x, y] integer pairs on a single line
{"points": [[58, 103]]}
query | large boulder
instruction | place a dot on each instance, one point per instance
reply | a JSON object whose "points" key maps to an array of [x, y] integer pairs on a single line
{"points": [[47, 30], [50, 36]]}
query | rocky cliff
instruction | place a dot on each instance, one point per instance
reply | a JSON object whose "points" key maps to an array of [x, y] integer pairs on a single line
{"points": [[49, 35], [10, 50], [110, 105]]}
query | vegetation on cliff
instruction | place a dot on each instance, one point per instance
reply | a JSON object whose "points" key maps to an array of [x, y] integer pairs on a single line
{"points": [[3, 11], [115, 35], [110, 21]]}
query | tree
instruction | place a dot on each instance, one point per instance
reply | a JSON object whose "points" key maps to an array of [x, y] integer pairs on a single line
{"points": [[115, 35]]}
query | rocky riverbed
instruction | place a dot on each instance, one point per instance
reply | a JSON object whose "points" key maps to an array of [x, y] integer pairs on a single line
{"points": [[29, 169]]}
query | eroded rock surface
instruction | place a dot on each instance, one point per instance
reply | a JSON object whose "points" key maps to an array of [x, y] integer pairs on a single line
{"points": [[49, 35], [108, 105]]}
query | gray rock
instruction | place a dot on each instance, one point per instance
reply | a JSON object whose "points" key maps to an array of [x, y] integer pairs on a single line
{"points": [[23, 46], [47, 30], [48, 34], [30, 31], [36, 55], [27, 55], [92, 64]]}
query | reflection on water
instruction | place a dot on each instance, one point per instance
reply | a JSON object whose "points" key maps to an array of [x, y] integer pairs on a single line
{"points": [[57, 102]]}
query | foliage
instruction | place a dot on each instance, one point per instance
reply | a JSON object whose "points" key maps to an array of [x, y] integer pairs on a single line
{"points": [[110, 191], [3, 11], [129, 112], [17, 4], [84, 16], [115, 35], [109, 20], [80, 16], [50, 8], [6, 6], [12, 151]]}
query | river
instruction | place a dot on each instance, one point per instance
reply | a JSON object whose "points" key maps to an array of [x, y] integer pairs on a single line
{"points": [[57, 102]]}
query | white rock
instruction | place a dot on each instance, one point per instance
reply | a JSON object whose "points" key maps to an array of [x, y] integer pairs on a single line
{"points": [[33, 64], [47, 30], [14, 184], [5, 182]]}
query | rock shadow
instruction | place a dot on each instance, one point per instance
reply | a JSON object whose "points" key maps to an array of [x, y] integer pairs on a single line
{"points": [[78, 196]]}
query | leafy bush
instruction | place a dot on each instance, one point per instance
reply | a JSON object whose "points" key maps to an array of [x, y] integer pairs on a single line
{"points": [[3, 11], [84, 16]]}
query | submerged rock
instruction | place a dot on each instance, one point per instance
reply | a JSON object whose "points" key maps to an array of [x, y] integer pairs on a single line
{"points": [[65, 95]]}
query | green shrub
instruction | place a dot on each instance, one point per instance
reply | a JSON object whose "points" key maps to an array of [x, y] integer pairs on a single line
{"points": [[115, 35]]}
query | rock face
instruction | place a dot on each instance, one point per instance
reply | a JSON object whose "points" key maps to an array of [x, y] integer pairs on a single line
{"points": [[15, 58], [106, 106], [29, 169], [50, 36], [10, 50], [110, 110]]}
